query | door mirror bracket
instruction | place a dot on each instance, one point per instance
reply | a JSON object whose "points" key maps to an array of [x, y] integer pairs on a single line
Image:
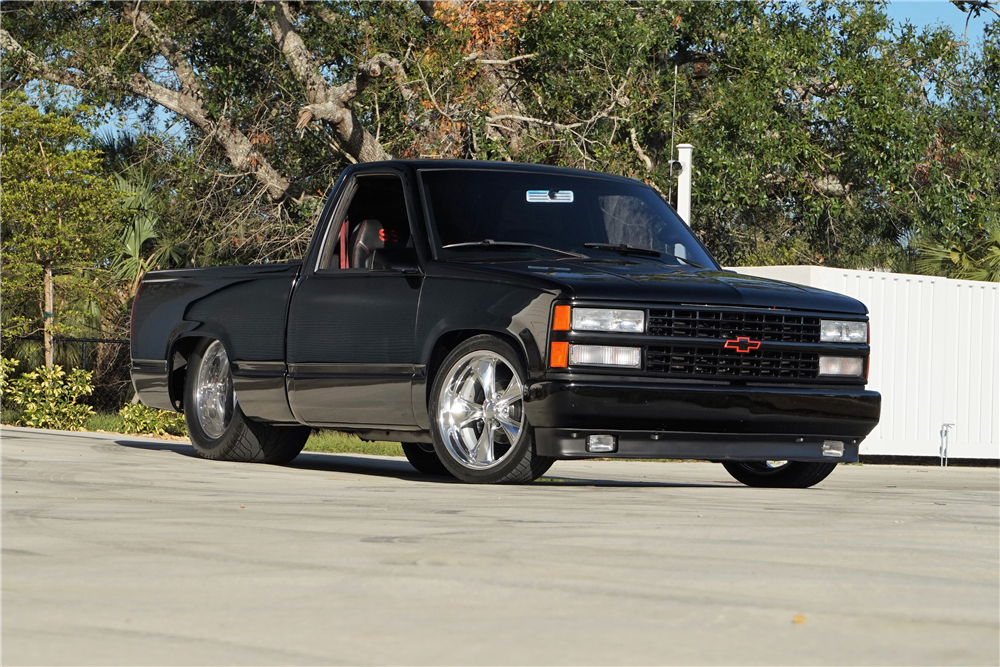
{"points": [[400, 260]]}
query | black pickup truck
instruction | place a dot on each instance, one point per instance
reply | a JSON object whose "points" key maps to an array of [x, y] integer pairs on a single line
{"points": [[496, 317]]}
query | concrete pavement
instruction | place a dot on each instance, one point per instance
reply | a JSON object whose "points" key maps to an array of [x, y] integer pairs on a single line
{"points": [[127, 550]]}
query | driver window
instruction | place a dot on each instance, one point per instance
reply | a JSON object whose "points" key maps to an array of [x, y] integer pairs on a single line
{"points": [[375, 220]]}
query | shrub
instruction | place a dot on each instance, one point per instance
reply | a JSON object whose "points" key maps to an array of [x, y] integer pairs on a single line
{"points": [[7, 368], [47, 397], [141, 419]]}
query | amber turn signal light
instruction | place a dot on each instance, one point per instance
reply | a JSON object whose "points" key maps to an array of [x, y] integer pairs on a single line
{"points": [[559, 355], [561, 319]]}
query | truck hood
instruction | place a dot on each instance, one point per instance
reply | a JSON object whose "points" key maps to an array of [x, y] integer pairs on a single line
{"points": [[639, 279]]}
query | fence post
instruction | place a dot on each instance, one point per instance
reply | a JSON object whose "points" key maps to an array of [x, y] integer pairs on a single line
{"points": [[684, 152]]}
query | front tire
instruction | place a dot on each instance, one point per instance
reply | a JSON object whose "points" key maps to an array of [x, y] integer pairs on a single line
{"points": [[217, 426], [785, 475], [481, 434]]}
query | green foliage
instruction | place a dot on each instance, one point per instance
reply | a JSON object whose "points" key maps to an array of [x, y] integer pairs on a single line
{"points": [[142, 419], [335, 442], [47, 398], [824, 132], [7, 368], [975, 260], [58, 210]]}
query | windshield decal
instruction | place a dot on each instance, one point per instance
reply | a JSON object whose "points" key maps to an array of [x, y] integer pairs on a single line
{"points": [[550, 196]]}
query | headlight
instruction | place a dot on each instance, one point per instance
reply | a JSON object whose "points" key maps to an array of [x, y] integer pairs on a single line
{"points": [[607, 319], [836, 331]]}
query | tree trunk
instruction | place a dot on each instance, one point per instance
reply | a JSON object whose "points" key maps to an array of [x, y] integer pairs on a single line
{"points": [[47, 316]]}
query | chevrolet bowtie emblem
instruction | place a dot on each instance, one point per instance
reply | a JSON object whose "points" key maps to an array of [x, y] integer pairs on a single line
{"points": [[742, 344]]}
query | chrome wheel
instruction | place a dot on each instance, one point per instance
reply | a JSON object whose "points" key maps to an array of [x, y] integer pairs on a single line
{"points": [[213, 405], [480, 413]]}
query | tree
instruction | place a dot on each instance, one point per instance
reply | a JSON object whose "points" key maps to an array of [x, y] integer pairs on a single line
{"points": [[58, 210], [823, 132]]}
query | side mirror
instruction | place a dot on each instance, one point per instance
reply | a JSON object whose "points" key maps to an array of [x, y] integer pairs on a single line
{"points": [[401, 260]]}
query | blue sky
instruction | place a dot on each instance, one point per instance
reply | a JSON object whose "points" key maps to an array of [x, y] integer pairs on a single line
{"points": [[927, 13]]}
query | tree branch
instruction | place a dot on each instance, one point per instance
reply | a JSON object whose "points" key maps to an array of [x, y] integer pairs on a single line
{"points": [[646, 161], [327, 102], [239, 149], [168, 48]]}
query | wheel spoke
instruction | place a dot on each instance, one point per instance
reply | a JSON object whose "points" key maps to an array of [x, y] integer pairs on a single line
{"points": [[485, 371], [511, 393], [483, 453], [460, 405], [470, 420], [510, 427]]}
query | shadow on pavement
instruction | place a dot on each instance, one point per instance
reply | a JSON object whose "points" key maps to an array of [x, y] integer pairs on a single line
{"points": [[633, 483], [360, 464], [182, 448], [324, 462]]}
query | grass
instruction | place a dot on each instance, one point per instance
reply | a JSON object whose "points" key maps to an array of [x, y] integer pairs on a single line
{"points": [[346, 443], [111, 423]]}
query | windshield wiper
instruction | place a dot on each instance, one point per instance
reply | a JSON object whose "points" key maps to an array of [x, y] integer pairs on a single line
{"points": [[690, 263], [490, 243], [624, 249]]}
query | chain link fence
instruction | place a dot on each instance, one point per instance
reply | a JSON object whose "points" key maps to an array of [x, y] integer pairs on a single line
{"points": [[107, 359]]}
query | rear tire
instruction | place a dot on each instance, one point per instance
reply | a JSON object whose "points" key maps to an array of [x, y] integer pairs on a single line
{"points": [[217, 426], [425, 460], [791, 475]]}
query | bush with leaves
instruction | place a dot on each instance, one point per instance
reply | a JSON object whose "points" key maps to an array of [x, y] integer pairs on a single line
{"points": [[47, 398], [142, 419], [7, 368]]}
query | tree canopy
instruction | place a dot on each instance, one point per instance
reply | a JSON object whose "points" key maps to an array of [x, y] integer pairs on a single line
{"points": [[823, 132], [59, 215]]}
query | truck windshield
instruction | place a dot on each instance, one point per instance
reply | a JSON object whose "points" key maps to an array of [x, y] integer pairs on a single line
{"points": [[478, 213]]}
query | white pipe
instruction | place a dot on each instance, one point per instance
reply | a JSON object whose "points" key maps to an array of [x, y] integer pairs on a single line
{"points": [[684, 182]]}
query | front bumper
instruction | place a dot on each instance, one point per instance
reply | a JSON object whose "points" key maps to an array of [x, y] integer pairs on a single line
{"points": [[699, 421]]}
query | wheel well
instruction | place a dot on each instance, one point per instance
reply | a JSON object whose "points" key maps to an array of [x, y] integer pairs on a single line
{"points": [[452, 339], [178, 358]]}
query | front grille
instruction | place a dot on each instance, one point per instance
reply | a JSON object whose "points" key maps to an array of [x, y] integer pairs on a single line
{"points": [[728, 324], [689, 361]]}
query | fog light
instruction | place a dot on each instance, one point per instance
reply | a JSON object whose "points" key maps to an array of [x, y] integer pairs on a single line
{"points": [[600, 443], [833, 448], [604, 355], [845, 366]]}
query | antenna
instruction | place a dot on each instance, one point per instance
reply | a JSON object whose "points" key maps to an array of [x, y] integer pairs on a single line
{"points": [[673, 128]]}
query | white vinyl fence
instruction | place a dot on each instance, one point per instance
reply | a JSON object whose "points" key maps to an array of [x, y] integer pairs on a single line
{"points": [[935, 357]]}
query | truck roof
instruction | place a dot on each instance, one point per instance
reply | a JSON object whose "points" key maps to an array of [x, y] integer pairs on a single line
{"points": [[426, 164]]}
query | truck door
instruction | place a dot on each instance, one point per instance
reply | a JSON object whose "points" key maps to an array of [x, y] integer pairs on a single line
{"points": [[350, 341]]}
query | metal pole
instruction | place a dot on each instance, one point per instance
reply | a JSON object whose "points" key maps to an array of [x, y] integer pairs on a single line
{"points": [[943, 451], [684, 182]]}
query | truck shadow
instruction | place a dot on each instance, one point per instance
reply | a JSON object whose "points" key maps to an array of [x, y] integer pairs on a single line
{"points": [[382, 466]]}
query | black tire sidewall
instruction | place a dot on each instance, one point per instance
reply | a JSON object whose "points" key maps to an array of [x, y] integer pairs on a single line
{"points": [[523, 448], [794, 475]]}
